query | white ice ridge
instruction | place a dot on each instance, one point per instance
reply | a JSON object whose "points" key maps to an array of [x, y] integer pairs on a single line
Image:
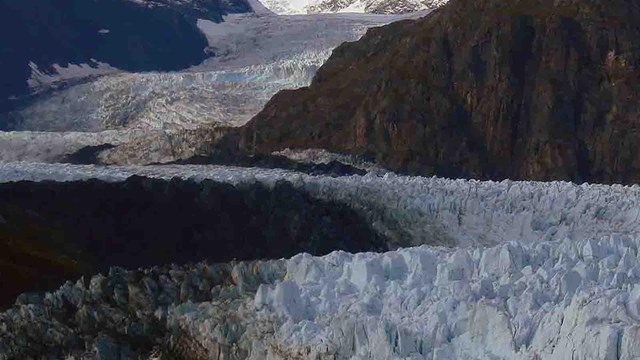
{"points": [[416, 210], [548, 300]]}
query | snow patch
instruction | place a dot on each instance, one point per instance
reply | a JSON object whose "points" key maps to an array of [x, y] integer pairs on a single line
{"points": [[259, 8], [357, 6]]}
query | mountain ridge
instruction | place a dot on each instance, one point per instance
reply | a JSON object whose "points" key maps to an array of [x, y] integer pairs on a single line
{"points": [[476, 89]]}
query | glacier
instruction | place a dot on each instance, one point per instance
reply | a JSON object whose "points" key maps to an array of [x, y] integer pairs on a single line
{"points": [[474, 270], [255, 56], [413, 211], [548, 300]]}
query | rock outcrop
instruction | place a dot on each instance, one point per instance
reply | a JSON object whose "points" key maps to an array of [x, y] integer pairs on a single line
{"points": [[487, 89]]}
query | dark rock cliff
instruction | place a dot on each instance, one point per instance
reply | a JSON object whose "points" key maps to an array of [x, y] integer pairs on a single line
{"points": [[488, 89], [50, 232]]}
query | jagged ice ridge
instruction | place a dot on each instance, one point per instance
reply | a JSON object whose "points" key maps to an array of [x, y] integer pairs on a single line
{"points": [[535, 271]]}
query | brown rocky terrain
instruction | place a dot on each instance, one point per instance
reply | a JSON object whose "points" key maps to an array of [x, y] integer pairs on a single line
{"points": [[490, 89]]}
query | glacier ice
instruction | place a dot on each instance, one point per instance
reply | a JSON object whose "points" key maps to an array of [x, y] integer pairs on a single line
{"points": [[531, 270], [255, 57], [350, 6], [438, 303], [545, 300], [416, 210]]}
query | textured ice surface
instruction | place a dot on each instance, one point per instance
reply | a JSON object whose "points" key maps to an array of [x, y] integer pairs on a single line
{"points": [[537, 271], [566, 299], [255, 57], [417, 210], [549, 300], [40, 80], [167, 101]]}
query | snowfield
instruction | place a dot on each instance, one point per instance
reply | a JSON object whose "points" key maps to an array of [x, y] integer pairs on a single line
{"points": [[40, 80], [477, 270]]}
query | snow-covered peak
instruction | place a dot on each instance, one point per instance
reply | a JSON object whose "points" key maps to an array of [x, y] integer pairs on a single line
{"points": [[259, 8], [352, 6], [287, 7]]}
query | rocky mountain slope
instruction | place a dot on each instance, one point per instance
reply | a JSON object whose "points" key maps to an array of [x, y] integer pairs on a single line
{"points": [[479, 88]]}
